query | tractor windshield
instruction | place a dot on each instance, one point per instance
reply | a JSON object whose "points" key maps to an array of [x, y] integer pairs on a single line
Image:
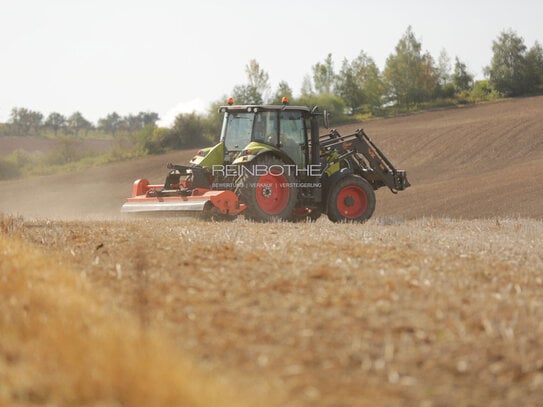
{"points": [[237, 130]]}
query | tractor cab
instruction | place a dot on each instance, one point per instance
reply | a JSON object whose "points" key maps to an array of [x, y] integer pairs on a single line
{"points": [[254, 129]]}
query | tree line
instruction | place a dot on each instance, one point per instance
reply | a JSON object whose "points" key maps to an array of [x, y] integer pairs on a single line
{"points": [[411, 79], [27, 122]]}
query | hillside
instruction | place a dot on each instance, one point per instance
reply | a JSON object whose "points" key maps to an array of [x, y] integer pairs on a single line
{"points": [[472, 162], [477, 161]]}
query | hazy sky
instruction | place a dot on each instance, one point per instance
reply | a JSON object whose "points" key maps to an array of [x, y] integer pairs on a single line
{"points": [[98, 56]]}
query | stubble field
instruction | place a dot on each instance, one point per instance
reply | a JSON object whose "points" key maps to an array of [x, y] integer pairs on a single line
{"points": [[423, 312], [436, 301]]}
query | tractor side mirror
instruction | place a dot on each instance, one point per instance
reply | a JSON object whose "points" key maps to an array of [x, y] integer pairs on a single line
{"points": [[326, 119]]}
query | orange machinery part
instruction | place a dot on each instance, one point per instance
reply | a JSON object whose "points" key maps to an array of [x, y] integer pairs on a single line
{"points": [[225, 201]]}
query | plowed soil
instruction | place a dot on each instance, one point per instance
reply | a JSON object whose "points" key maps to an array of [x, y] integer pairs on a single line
{"points": [[436, 301]]}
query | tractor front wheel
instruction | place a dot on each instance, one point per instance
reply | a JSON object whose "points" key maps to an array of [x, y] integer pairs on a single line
{"points": [[351, 199], [268, 189]]}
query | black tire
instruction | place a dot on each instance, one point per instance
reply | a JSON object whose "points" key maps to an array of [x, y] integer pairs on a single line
{"points": [[269, 197], [351, 199]]}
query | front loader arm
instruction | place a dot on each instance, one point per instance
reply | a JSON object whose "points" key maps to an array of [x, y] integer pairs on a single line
{"points": [[365, 158]]}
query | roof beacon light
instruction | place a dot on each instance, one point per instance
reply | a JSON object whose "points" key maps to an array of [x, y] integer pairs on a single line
{"points": [[284, 100], [230, 101]]}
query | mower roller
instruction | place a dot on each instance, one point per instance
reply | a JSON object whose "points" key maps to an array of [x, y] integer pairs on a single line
{"points": [[271, 164]]}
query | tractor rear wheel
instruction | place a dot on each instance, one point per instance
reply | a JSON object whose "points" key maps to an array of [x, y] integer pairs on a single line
{"points": [[351, 199], [268, 189]]}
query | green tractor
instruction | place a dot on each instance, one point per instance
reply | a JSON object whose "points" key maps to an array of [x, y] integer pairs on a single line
{"points": [[272, 164]]}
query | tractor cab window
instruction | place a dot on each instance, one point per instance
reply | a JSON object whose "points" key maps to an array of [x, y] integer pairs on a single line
{"points": [[237, 130], [265, 127], [292, 135]]}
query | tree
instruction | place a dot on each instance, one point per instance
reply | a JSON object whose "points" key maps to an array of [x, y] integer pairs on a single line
{"points": [[131, 123], [247, 95], [283, 90], [55, 121], [429, 78], [369, 80], [257, 78], [410, 75], [257, 87], [76, 123], [359, 83], [324, 76], [508, 70], [110, 124], [187, 131], [443, 69], [534, 67], [307, 86], [25, 121], [348, 88], [147, 118], [445, 87], [461, 78]]}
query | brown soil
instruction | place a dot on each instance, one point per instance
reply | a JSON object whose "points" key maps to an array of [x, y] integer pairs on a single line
{"points": [[473, 162]]}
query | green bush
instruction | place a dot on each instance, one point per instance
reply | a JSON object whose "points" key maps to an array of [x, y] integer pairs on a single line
{"points": [[67, 149], [188, 130], [155, 144], [483, 91], [144, 136], [22, 158]]}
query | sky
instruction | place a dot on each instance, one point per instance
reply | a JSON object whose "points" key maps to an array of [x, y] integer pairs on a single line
{"points": [[168, 56]]}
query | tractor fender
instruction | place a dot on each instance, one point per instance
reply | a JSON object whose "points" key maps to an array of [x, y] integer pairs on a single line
{"points": [[329, 180]]}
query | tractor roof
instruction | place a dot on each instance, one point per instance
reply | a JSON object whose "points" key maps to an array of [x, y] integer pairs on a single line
{"points": [[262, 108]]}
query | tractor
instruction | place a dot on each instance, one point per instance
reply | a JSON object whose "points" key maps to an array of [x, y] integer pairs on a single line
{"points": [[272, 164]]}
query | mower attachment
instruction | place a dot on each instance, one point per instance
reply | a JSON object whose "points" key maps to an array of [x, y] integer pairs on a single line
{"points": [[148, 198]]}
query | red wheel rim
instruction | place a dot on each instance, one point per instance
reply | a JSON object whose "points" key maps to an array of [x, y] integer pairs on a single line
{"points": [[272, 193], [352, 202]]}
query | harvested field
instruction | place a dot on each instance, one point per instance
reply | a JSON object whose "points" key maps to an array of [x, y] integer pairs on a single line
{"points": [[423, 312], [436, 301]]}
